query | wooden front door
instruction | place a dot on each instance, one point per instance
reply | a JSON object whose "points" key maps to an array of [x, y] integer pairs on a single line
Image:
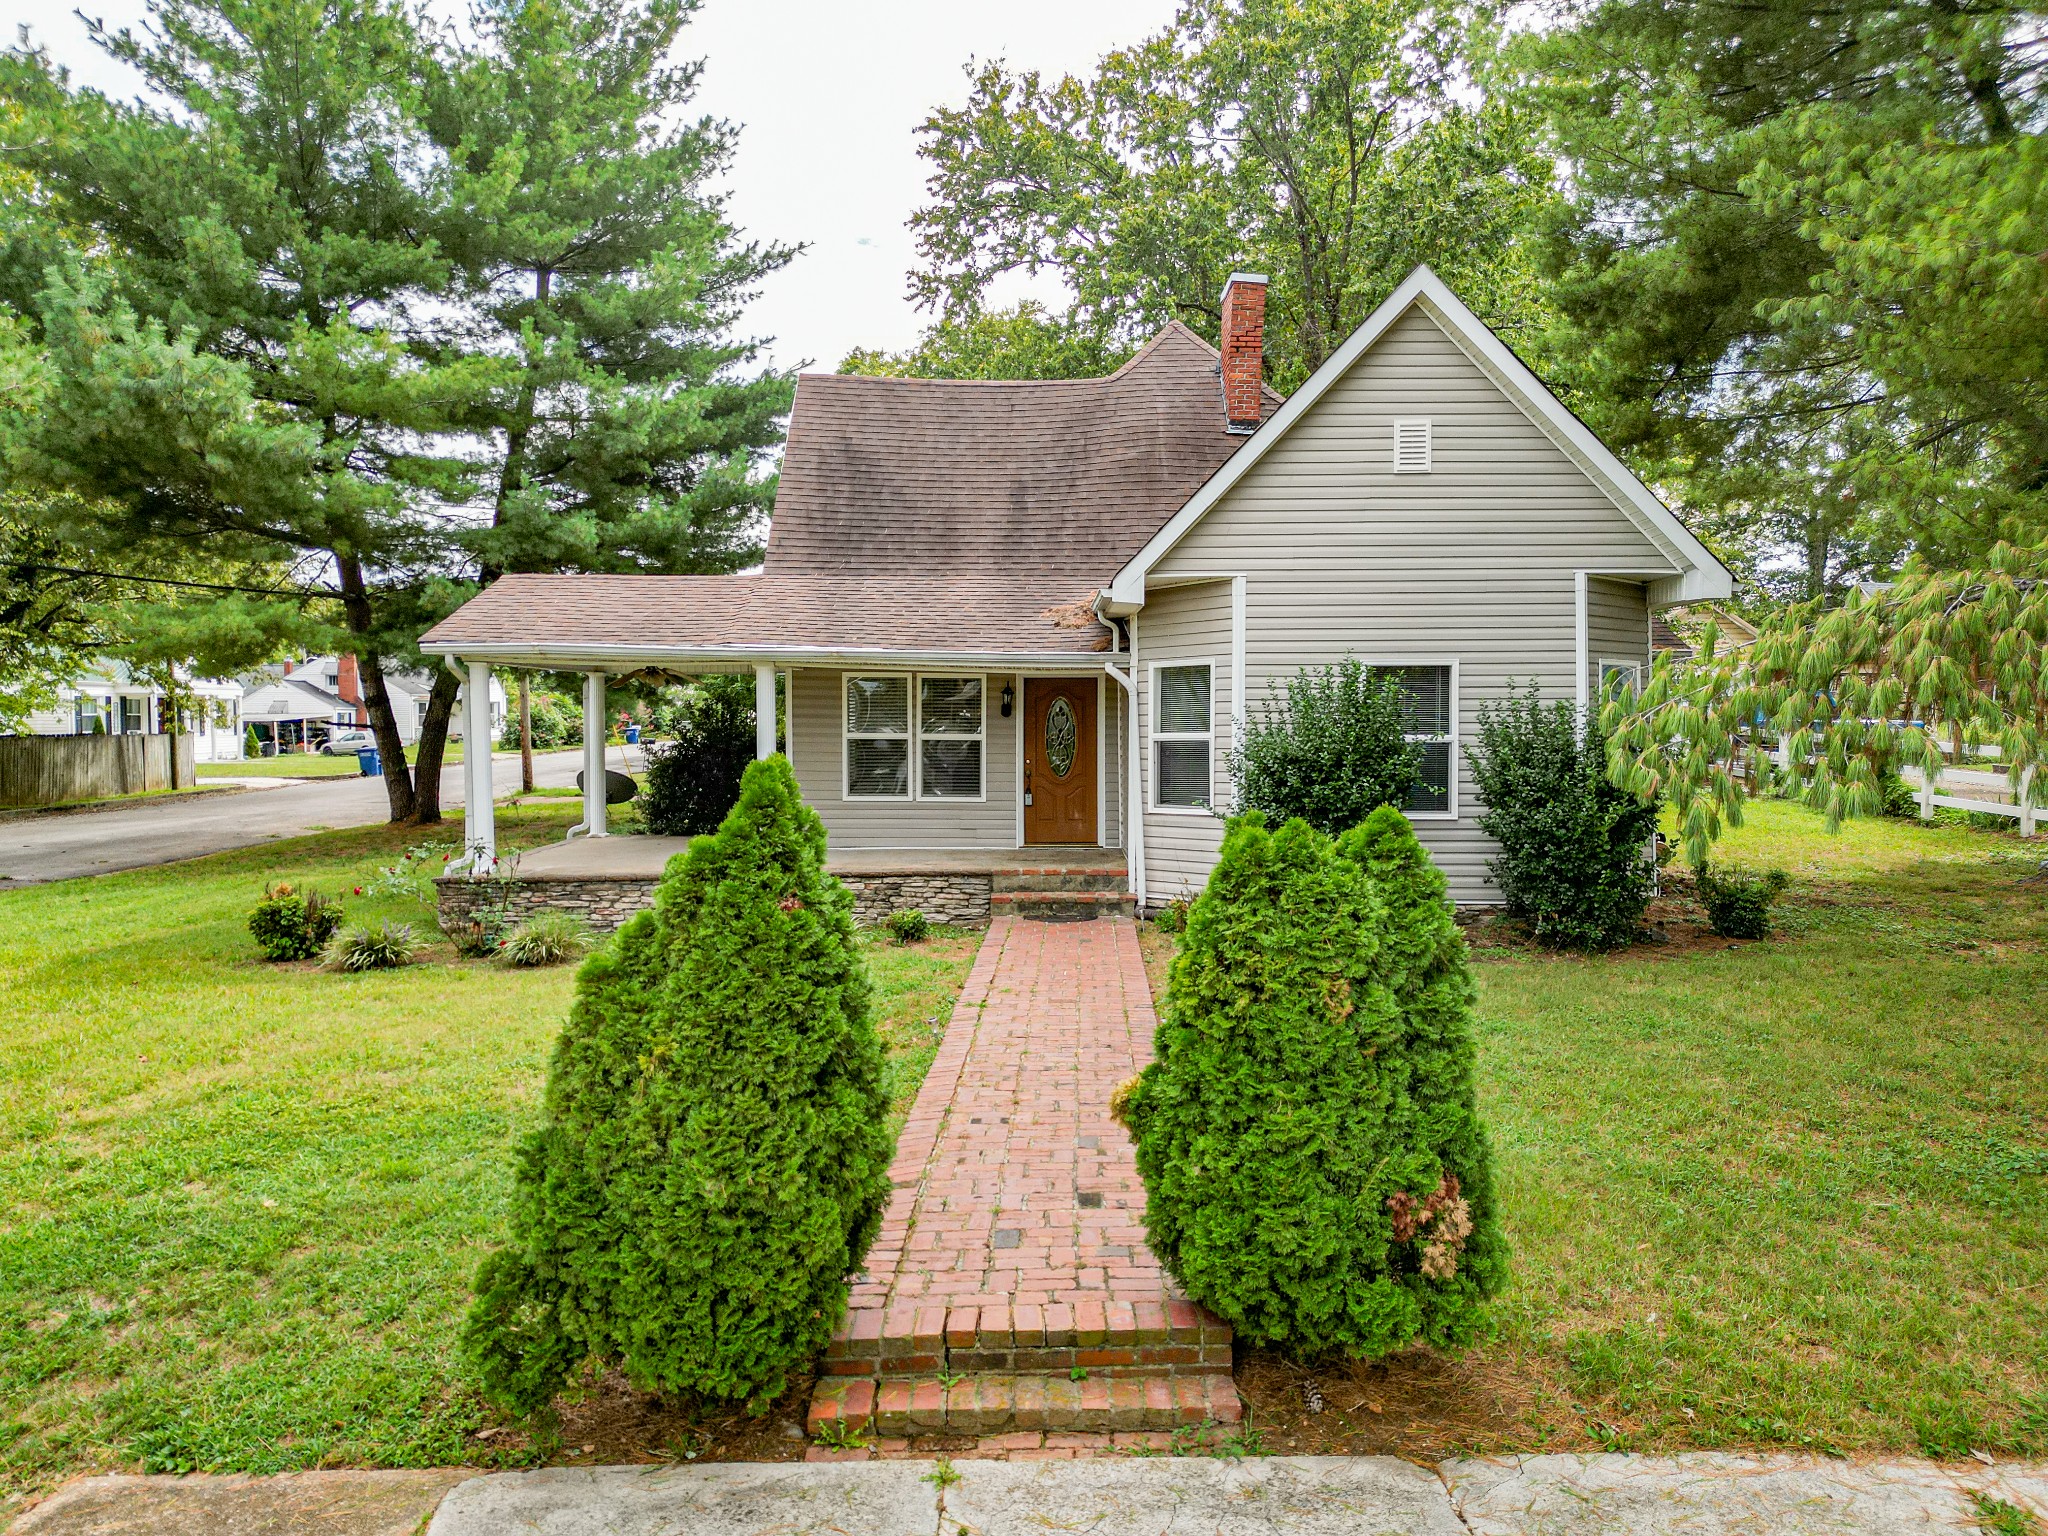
{"points": [[1059, 759]]}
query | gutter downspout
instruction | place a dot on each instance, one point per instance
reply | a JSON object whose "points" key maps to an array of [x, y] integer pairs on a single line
{"points": [[1134, 793]]}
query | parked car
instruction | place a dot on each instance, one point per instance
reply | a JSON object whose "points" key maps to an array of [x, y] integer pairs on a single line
{"points": [[347, 743]]}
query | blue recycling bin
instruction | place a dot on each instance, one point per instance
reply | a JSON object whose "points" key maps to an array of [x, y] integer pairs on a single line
{"points": [[632, 735], [370, 762]]}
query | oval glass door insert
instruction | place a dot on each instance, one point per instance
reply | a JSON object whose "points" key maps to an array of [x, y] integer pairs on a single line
{"points": [[1059, 738]]}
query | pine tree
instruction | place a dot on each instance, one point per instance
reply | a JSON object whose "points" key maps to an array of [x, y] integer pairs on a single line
{"points": [[1313, 1164], [712, 1161], [335, 283]]}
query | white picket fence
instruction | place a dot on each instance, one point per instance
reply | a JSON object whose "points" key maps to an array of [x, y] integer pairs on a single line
{"points": [[2020, 807]]}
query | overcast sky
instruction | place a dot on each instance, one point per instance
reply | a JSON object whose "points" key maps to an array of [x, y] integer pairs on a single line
{"points": [[828, 93]]}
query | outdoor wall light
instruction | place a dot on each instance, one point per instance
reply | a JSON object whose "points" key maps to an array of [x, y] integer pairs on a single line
{"points": [[1009, 698]]}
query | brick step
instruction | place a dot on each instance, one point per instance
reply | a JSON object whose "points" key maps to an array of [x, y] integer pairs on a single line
{"points": [[1113, 880], [995, 1403], [1062, 906], [1118, 1338]]}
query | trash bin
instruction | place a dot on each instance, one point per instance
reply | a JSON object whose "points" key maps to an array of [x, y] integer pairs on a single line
{"points": [[370, 762], [632, 735]]}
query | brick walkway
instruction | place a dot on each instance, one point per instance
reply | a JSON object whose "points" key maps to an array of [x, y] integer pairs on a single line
{"points": [[1010, 1288], [1014, 1187]]}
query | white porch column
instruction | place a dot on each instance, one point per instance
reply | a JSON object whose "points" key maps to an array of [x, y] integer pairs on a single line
{"points": [[764, 709], [479, 818], [594, 734]]}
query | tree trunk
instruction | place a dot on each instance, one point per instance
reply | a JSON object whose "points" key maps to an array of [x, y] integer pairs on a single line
{"points": [[525, 736], [434, 747], [355, 606]]}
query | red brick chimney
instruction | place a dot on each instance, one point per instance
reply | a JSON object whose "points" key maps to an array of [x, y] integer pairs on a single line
{"points": [[1244, 349], [349, 684]]}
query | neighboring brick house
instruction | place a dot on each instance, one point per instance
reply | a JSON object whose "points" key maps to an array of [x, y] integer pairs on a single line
{"points": [[1014, 614]]}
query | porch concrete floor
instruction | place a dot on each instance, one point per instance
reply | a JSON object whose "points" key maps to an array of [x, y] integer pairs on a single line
{"points": [[643, 858]]}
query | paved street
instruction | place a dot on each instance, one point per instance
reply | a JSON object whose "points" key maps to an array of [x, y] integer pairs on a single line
{"points": [[61, 847]]}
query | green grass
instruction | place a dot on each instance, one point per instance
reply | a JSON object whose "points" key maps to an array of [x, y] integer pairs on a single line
{"points": [[1792, 1193], [242, 1202], [308, 765]]}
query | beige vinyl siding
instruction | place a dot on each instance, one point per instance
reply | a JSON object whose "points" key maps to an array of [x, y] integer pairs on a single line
{"points": [[1178, 624], [1617, 626], [1473, 562], [990, 822]]}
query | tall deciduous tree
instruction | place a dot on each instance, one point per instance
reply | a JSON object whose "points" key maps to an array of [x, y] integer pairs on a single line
{"points": [[1802, 262], [1332, 144], [1024, 341]]}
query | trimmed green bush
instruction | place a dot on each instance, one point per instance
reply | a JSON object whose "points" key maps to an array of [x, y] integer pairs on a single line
{"points": [[1314, 1167], [290, 924], [1332, 748], [1739, 901], [695, 779], [1574, 861], [711, 1162]]}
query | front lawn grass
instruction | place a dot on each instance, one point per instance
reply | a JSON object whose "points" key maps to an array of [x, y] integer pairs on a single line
{"points": [[1785, 1194], [243, 1202]]}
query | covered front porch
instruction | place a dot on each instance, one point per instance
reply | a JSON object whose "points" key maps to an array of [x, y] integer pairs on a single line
{"points": [[965, 742]]}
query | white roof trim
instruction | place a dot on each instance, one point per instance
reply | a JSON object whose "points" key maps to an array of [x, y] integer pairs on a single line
{"points": [[1699, 575], [629, 658]]}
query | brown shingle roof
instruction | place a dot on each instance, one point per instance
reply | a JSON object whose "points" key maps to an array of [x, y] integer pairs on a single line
{"points": [[699, 615], [1067, 476]]}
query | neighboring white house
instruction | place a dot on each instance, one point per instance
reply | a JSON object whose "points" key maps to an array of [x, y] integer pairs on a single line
{"points": [[111, 701], [294, 714], [339, 678]]}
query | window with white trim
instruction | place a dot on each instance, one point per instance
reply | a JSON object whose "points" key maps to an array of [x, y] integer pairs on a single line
{"points": [[1412, 448], [1616, 674], [950, 738], [1183, 735], [1428, 713], [911, 736], [878, 738]]}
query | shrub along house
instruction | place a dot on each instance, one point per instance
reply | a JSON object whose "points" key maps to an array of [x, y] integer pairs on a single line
{"points": [[1021, 623]]}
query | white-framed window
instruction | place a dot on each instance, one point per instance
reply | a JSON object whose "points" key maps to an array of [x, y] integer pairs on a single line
{"points": [[1429, 708], [952, 720], [913, 736], [1183, 735], [878, 736], [1412, 448], [1615, 674]]}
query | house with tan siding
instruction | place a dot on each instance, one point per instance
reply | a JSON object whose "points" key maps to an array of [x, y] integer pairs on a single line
{"points": [[1019, 622]]}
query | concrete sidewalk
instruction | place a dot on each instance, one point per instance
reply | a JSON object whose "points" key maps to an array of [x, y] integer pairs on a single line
{"points": [[1704, 1494]]}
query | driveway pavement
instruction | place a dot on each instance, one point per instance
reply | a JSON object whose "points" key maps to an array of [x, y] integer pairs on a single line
{"points": [[64, 846]]}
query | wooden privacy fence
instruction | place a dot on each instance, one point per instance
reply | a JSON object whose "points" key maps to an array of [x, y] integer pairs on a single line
{"points": [[54, 770]]}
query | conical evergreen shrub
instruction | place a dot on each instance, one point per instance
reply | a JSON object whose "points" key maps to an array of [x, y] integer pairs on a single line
{"points": [[712, 1161], [1313, 1163]]}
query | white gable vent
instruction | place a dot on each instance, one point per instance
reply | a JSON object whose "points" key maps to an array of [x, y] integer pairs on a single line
{"points": [[1411, 447]]}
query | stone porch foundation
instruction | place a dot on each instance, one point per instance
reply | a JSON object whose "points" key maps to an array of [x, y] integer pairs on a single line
{"points": [[604, 881]]}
